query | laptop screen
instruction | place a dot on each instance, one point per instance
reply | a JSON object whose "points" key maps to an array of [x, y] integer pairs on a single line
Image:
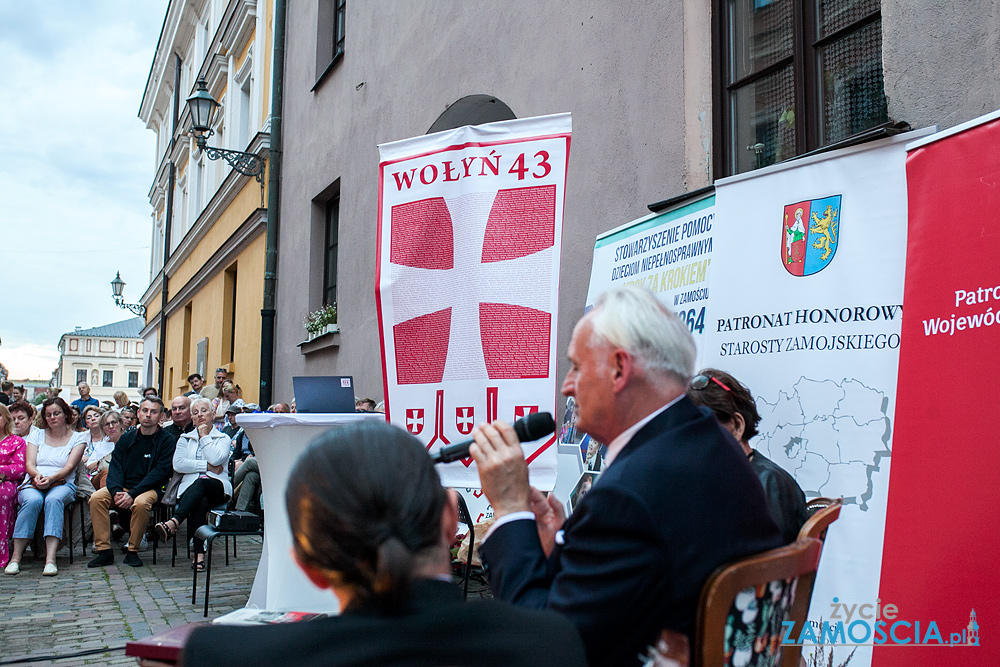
{"points": [[324, 394]]}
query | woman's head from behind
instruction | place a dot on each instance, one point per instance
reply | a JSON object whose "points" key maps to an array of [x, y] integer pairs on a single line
{"points": [[368, 513]]}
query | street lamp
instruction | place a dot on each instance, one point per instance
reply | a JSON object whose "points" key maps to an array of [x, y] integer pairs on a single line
{"points": [[117, 285], [203, 107]]}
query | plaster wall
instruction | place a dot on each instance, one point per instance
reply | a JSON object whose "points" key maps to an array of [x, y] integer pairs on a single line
{"points": [[618, 67], [941, 60]]}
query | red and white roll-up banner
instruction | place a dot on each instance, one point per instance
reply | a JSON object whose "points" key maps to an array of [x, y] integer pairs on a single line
{"points": [[470, 231], [942, 531]]}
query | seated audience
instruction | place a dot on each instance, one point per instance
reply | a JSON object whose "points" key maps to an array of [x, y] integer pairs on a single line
{"points": [[230, 395], [12, 468], [53, 454], [231, 428], [97, 457], [201, 457], [129, 418], [279, 408], [121, 401], [180, 413], [19, 394], [736, 410], [23, 414], [6, 392], [140, 467], [196, 382], [371, 522], [365, 405], [149, 391]]}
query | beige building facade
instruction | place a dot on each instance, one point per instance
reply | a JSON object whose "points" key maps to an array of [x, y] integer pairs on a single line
{"points": [[207, 263], [108, 358]]}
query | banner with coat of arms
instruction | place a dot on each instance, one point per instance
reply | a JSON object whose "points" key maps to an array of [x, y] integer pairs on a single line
{"points": [[807, 293], [469, 238]]}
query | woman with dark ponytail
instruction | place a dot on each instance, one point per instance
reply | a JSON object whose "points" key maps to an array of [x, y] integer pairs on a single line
{"points": [[371, 522]]}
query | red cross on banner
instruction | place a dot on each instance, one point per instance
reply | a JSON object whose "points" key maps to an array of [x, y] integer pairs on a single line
{"points": [[470, 227]]}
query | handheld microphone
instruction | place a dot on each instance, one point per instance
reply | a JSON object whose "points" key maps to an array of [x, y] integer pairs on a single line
{"points": [[528, 428]]}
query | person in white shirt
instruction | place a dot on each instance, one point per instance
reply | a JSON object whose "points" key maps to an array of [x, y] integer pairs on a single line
{"points": [[52, 458]]}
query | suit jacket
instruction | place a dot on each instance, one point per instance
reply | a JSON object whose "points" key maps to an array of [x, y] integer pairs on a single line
{"points": [[435, 629], [677, 502]]}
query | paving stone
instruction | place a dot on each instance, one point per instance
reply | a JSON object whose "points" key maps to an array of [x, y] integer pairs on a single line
{"points": [[84, 609]]}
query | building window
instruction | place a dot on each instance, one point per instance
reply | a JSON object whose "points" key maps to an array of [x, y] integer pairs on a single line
{"points": [[330, 246], [107, 379], [338, 28], [794, 76], [330, 24], [133, 379], [81, 375]]}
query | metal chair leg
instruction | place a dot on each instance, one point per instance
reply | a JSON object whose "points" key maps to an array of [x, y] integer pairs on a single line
{"points": [[208, 568]]}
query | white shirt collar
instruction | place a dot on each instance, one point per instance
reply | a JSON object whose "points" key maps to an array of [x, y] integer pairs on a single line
{"points": [[618, 444]]}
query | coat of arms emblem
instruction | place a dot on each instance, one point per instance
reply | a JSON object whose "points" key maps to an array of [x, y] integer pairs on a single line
{"points": [[809, 235]]}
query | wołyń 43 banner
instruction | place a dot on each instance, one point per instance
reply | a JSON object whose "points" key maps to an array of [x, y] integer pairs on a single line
{"points": [[470, 231], [807, 293]]}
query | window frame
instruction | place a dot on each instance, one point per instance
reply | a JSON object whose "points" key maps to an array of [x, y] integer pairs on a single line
{"points": [[78, 371], [331, 37], [332, 206], [133, 384], [107, 377], [807, 80]]}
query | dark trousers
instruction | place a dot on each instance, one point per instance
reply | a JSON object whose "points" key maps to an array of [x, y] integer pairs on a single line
{"points": [[204, 494]]}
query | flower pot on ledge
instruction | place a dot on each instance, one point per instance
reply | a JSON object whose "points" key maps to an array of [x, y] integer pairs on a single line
{"points": [[328, 328]]}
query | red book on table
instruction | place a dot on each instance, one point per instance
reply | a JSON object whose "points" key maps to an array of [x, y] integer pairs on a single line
{"points": [[165, 646]]}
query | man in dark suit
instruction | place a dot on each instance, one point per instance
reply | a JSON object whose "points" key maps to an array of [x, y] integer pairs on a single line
{"points": [[371, 522], [676, 499]]}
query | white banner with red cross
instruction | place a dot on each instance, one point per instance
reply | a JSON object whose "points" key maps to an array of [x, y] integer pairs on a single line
{"points": [[470, 229]]}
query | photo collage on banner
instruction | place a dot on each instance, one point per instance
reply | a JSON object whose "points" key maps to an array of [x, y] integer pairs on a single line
{"points": [[470, 231], [807, 293]]}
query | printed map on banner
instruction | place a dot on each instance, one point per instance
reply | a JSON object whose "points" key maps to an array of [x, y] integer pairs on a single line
{"points": [[470, 230], [669, 254], [807, 287]]}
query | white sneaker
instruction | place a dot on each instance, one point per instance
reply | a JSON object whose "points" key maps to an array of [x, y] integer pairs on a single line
{"points": [[50, 570], [12, 568], [144, 544]]}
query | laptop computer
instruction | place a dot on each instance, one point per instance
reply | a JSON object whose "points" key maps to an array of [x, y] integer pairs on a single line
{"points": [[324, 394]]}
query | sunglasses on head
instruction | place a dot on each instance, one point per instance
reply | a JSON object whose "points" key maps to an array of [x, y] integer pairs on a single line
{"points": [[699, 382]]}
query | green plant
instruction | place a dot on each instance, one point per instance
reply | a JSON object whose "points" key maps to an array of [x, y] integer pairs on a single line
{"points": [[316, 320]]}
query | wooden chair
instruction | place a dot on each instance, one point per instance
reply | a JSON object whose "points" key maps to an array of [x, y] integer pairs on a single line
{"points": [[751, 598], [823, 512]]}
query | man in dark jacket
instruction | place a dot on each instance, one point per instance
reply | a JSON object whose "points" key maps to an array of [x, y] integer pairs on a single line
{"points": [[675, 500], [141, 464]]}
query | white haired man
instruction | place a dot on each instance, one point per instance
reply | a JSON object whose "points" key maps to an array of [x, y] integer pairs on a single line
{"points": [[677, 498]]}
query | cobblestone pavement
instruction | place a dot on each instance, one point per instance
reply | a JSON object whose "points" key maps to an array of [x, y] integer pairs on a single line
{"points": [[83, 608]]}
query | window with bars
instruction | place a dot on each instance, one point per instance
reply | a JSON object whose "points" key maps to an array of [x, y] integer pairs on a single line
{"points": [[331, 241], [794, 76]]}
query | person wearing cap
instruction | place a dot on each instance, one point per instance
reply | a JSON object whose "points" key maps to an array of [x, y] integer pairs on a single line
{"points": [[232, 428]]}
